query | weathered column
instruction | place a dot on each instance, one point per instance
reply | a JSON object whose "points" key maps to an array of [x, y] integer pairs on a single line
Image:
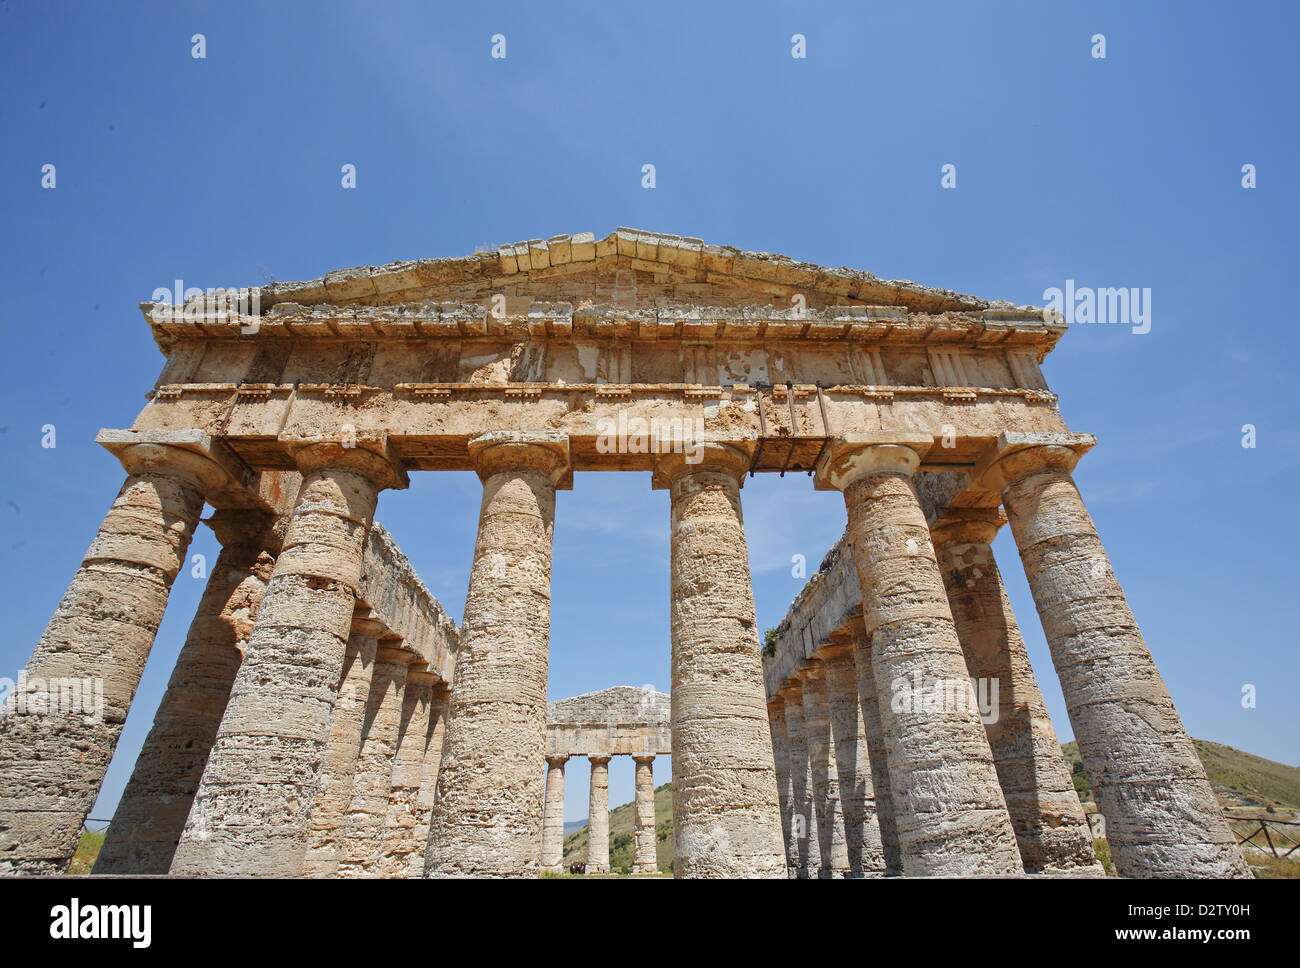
{"points": [[488, 816], [878, 756], [253, 809], [647, 861], [553, 820], [727, 820], [440, 700], [857, 791], [404, 833], [325, 836], [949, 810], [784, 781], [834, 857], [598, 817], [372, 783], [151, 814], [803, 844], [54, 751], [1045, 809], [1162, 818]]}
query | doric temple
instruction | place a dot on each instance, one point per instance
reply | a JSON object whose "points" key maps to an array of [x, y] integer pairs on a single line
{"points": [[325, 717]]}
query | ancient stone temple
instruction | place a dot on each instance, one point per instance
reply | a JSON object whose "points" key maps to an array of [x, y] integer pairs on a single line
{"points": [[325, 718]]}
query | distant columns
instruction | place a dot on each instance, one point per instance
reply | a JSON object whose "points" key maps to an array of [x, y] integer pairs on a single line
{"points": [[325, 836], [598, 817], [1050, 826], [399, 841], [804, 848], [1162, 818], [776, 718], [553, 819], [487, 818], [646, 861], [727, 820], [53, 758], [253, 808], [874, 733], [151, 814], [436, 730], [857, 792], [834, 858], [372, 782], [949, 809]]}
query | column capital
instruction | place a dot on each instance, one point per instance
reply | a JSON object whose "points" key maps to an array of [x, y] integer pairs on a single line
{"points": [[200, 460], [390, 650], [791, 693], [966, 526], [643, 758], [366, 623], [420, 675], [556, 760], [236, 527], [852, 456], [598, 760], [715, 457], [542, 452], [1015, 456], [814, 668], [366, 454]]}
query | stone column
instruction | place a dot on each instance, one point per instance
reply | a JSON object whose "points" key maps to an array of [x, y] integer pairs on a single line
{"points": [[647, 861], [553, 820], [253, 809], [488, 816], [406, 829], [803, 843], [1162, 818], [441, 700], [1045, 809], [784, 782], [727, 820], [857, 791], [151, 814], [372, 783], [949, 810], [53, 757], [325, 837], [874, 734], [834, 857], [598, 817]]}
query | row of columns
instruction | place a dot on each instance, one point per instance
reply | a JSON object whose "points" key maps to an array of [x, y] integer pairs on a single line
{"points": [[950, 796], [645, 857]]}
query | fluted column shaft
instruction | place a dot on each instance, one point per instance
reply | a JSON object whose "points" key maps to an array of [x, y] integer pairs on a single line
{"points": [[1045, 810], [52, 757], [149, 818], [877, 753], [488, 816], [326, 834], [598, 817], [857, 791], [1162, 818], [833, 852], [949, 810], [372, 783], [784, 782], [253, 809], [727, 820], [804, 844], [553, 819], [646, 860], [404, 835]]}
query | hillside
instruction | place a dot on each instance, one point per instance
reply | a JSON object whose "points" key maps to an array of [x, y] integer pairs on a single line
{"points": [[622, 848]]}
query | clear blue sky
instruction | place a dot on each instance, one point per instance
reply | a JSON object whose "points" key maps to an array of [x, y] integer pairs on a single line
{"points": [[1117, 172]]}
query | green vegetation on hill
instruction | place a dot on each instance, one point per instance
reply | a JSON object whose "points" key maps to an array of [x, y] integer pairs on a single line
{"points": [[622, 843]]}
